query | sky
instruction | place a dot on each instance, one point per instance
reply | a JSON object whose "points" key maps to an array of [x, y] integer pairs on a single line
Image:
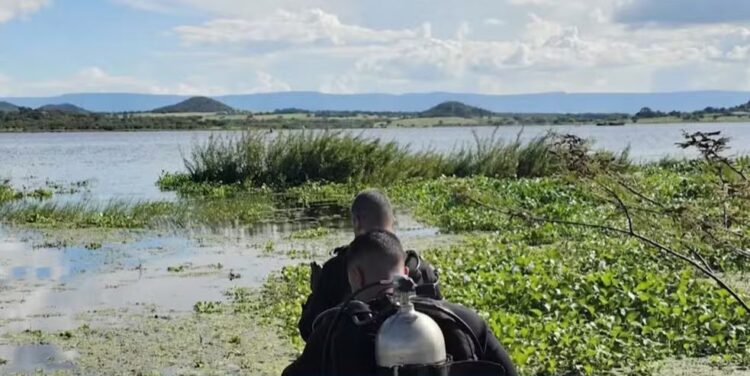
{"points": [[214, 47]]}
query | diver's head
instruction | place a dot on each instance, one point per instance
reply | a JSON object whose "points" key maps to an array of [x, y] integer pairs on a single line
{"points": [[371, 210], [374, 256]]}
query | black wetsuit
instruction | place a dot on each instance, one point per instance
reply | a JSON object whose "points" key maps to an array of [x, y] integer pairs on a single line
{"points": [[332, 287], [350, 350]]}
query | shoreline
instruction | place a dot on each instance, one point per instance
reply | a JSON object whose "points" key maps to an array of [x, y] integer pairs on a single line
{"points": [[274, 129]]}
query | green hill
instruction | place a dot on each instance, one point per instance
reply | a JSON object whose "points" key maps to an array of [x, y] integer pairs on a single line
{"points": [[195, 104], [455, 109], [8, 107], [65, 108]]}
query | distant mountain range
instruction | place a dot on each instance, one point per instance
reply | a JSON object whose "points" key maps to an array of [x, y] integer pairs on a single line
{"points": [[522, 103]]}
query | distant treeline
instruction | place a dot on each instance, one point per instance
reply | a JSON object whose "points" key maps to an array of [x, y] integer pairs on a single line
{"points": [[446, 114], [34, 120], [708, 112], [39, 121]]}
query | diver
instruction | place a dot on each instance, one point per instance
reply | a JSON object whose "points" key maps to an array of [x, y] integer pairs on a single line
{"points": [[371, 210], [384, 329]]}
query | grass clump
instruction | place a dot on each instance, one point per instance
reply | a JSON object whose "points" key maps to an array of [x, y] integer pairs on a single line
{"points": [[7, 193], [85, 215], [238, 208], [292, 159]]}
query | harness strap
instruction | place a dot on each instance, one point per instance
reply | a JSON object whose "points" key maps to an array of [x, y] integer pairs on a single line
{"points": [[474, 339]]}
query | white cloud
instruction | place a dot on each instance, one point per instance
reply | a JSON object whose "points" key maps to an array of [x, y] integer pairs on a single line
{"points": [[547, 49], [149, 5], [493, 22], [304, 27], [10, 9], [341, 46], [545, 45], [268, 84], [245, 9], [88, 79], [464, 30], [342, 84], [4, 85], [533, 2], [96, 80]]}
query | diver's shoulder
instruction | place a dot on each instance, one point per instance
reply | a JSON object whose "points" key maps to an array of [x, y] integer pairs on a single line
{"points": [[337, 257]]}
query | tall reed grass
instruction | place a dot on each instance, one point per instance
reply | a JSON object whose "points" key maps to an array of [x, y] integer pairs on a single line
{"points": [[290, 159]]}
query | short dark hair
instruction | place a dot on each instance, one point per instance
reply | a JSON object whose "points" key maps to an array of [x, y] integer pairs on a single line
{"points": [[372, 209], [377, 253]]}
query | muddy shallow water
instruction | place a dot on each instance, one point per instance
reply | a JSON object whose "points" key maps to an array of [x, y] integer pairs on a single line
{"points": [[50, 279], [46, 287]]}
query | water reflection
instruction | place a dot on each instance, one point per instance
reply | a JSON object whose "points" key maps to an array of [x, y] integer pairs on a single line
{"points": [[45, 288]]}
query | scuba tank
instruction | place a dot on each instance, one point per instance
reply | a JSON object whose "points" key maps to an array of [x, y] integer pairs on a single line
{"points": [[409, 339]]}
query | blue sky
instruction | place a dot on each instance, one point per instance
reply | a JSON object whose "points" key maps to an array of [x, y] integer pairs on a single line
{"points": [[216, 47]]}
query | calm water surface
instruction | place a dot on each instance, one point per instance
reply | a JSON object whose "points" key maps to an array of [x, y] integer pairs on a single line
{"points": [[125, 165]]}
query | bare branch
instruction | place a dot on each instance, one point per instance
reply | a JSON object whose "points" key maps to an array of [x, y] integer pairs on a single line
{"points": [[697, 255], [641, 195], [622, 206]]}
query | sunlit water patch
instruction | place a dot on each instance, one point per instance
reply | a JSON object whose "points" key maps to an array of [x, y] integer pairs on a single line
{"points": [[45, 288]]}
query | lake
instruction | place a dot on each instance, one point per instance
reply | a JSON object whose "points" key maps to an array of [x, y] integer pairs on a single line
{"points": [[125, 165]]}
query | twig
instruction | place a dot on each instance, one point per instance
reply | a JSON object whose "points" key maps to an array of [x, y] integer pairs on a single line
{"points": [[622, 206], [697, 255], [732, 167], [640, 194], [675, 215]]}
